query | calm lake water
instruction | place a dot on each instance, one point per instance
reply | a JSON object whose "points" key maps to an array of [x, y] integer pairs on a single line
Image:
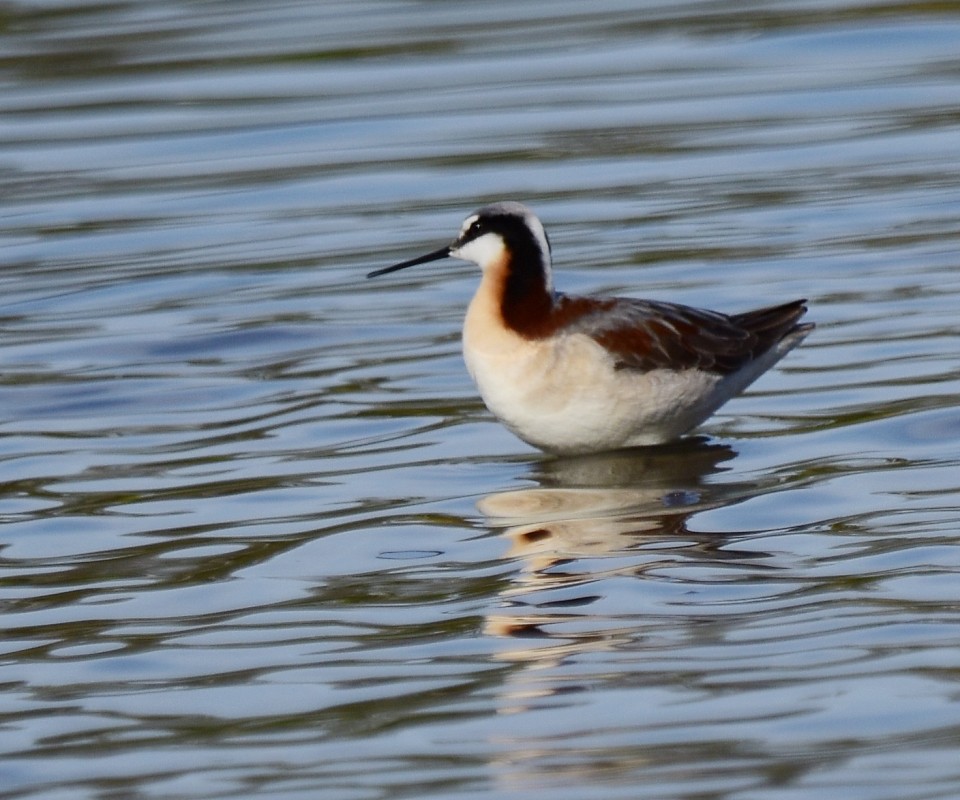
{"points": [[260, 537]]}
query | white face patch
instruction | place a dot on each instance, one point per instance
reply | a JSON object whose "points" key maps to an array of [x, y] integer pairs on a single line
{"points": [[483, 250], [490, 247]]}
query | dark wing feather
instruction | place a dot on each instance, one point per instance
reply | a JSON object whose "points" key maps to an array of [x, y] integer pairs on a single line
{"points": [[647, 334]]}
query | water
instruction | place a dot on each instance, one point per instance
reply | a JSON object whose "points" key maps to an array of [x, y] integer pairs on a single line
{"points": [[261, 539]]}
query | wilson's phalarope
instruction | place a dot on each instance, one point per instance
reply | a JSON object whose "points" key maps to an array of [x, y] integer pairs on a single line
{"points": [[588, 374]]}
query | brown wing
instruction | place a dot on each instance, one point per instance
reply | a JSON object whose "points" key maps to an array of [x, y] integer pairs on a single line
{"points": [[646, 334]]}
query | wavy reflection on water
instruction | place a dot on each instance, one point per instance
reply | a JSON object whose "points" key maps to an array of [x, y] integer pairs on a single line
{"points": [[241, 551], [595, 520]]}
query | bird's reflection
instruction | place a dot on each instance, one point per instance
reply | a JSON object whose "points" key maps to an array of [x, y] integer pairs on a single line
{"points": [[602, 504], [590, 521]]}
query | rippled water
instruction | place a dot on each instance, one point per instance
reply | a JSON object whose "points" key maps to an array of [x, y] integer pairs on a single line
{"points": [[260, 537]]}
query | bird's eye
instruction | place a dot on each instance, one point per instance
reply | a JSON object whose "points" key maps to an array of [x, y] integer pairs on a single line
{"points": [[475, 229]]}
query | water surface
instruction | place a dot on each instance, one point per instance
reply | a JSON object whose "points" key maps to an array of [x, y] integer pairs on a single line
{"points": [[260, 537]]}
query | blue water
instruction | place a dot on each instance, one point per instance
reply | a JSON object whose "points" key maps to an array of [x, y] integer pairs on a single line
{"points": [[260, 538]]}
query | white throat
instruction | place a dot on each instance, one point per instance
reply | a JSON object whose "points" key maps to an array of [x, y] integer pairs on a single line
{"points": [[484, 250], [490, 249]]}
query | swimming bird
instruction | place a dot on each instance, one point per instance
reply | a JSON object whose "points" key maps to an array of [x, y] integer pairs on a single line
{"points": [[574, 375]]}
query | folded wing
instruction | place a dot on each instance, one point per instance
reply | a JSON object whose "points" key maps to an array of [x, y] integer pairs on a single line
{"points": [[647, 334]]}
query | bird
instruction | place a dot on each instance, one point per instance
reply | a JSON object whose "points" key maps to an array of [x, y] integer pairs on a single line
{"points": [[575, 375]]}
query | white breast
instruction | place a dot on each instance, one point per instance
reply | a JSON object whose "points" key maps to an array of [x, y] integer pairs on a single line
{"points": [[563, 394]]}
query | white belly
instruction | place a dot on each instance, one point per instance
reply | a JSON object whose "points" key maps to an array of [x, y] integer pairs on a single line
{"points": [[565, 395]]}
